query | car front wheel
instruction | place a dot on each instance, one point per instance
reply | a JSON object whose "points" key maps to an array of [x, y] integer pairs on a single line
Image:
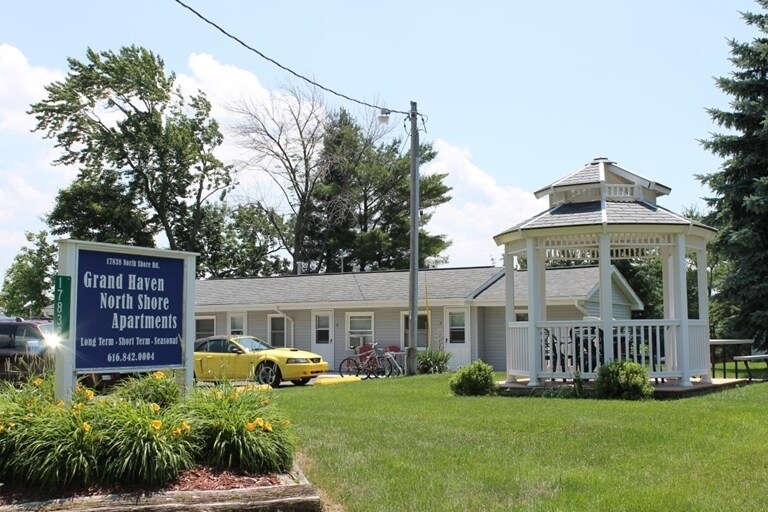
{"points": [[268, 373]]}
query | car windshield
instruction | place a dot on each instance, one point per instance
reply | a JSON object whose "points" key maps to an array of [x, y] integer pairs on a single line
{"points": [[46, 329], [253, 344]]}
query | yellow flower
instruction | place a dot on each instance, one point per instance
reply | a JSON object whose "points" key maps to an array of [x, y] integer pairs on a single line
{"points": [[155, 407], [185, 426], [259, 422], [176, 431], [37, 382], [219, 395], [78, 406], [86, 426], [89, 394], [159, 375], [60, 403], [250, 426], [233, 396], [11, 424], [267, 427], [264, 401], [156, 424], [2, 427]]}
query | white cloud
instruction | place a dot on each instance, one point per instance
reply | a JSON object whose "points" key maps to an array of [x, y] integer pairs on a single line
{"points": [[20, 86], [222, 83], [479, 209]]}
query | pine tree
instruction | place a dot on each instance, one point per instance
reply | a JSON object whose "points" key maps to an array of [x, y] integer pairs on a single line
{"points": [[740, 204]]}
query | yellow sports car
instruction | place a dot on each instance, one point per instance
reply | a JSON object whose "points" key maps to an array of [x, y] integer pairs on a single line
{"points": [[249, 358]]}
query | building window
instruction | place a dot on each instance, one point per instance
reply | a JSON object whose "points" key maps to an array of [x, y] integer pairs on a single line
{"points": [[359, 329], [422, 330], [204, 327], [457, 332], [237, 324], [276, 330]]}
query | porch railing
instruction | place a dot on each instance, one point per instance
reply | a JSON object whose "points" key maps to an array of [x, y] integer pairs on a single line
{"points": [[570, 349]]}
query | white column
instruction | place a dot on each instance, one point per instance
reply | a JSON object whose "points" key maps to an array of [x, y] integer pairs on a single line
{"points": [[681, 309], [667, 273], [534, 310], [703, 288], [509, 301], [606, 295]]}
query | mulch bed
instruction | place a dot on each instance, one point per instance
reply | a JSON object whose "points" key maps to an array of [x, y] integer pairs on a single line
{"points": [[195, 479]]}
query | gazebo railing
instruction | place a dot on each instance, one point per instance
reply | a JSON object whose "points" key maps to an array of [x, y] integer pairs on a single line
{"points": [[567, 349]]}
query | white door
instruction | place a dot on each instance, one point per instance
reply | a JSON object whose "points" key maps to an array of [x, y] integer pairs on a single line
{"points": [[322, 335], [457, 341]]}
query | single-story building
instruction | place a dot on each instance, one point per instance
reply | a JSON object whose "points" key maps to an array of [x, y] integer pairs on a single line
{"points": [[461, 310]]}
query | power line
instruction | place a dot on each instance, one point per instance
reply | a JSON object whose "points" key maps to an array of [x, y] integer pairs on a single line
{"points": [[273, 61]]}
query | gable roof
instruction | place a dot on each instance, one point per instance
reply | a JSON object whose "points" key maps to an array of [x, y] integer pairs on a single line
{"points": [[563, 284], [386, 288]]}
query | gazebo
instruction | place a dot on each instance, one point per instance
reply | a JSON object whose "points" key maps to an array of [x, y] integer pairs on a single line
{"points": [[603, 212]]}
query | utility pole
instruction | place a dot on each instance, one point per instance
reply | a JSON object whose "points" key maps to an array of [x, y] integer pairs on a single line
{"points": [[413, 295]]}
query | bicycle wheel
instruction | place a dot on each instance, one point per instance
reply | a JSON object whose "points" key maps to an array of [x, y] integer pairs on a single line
{"points": [[396, 370], [380, 367], [349, 367]]}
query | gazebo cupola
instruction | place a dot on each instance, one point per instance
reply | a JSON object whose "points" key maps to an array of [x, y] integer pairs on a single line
{"points": [[603, 212]]}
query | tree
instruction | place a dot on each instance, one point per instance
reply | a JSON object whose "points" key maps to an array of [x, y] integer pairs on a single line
{"points": [[284, 136], [740, 202], [119, 117], [239, 242], [101, 211], [28, 283], [361, 207]]}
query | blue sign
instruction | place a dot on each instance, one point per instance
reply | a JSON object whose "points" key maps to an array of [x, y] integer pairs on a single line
{"points": [[129, 311]]}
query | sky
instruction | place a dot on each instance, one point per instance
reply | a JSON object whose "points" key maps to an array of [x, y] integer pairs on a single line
{"points": [[515, 94]]}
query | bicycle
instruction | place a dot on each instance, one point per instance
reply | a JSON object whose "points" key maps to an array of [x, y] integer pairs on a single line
{"points": [[397, 370], [368, 362]]}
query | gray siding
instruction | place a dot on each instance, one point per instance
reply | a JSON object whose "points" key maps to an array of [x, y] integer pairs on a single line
{"points": [[563, 313], [493, 344]]}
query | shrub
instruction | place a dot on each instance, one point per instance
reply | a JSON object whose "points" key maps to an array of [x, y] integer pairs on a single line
{"points": [[159, 387], [238, 428], [433, 361], [623, 379], [122, 438], [474, 379]]}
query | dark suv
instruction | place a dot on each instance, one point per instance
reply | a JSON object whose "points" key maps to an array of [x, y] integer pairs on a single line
{"points": [[26, 346]]}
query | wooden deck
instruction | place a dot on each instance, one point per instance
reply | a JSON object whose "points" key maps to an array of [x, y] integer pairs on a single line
{"points": [[662, 390]]}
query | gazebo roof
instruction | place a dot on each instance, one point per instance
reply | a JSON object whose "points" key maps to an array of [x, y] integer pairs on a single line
{"points": [[602, 194], [594, 213], [601, 170]]}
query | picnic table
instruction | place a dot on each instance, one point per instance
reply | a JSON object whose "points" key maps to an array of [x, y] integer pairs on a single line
{"points": [[732, 347]]}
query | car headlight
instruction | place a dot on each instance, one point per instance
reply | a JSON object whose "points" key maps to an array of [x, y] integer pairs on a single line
{"points": [[296, 360], [52, 341]]}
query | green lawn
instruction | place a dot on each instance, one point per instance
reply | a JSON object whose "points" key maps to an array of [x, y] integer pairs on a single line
{"points": [[409, 444]]}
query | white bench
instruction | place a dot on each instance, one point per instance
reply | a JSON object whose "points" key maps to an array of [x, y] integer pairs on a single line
{"points": [[746, 360]]}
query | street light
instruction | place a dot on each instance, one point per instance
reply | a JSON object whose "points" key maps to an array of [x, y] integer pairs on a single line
{"points": [[413, 293]]}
